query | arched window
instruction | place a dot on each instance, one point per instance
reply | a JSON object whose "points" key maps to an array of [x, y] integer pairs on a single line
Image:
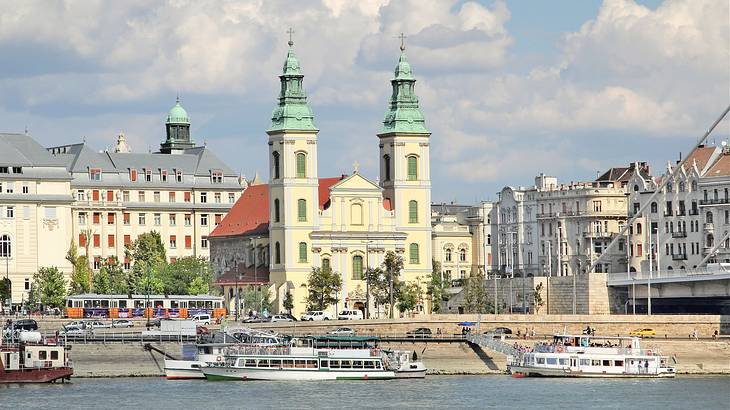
{"points": [[681, 186], [302, 252], [654, 207], [462, 255], [277, 253], [636, 188], [710, 240], [302, 210], [357, 273], [412, 168], [275, 156], [694, 186], [413, 253], [326, 264], [276, 210], [301, 165], [708, 217], [386, 167], [638, 229], [6, 247], [448, 255], [669, 187], [412, 212], [356, 214]]}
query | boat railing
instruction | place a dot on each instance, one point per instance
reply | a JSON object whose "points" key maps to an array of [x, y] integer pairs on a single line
{"points": [[257, 351]]}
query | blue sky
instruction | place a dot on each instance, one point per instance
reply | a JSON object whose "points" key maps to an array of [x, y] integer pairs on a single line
{"points": [[509, 89]]}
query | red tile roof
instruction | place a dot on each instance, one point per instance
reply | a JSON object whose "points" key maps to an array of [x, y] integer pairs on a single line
{"points": [[701, 154], [720, 168], [250, 214]]}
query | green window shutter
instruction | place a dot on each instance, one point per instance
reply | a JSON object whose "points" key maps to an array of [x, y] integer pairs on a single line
{"points": [[302, 251], [301, 165], [413, 253], [412, 212], [412, 168], [302, 210], [357, 273]]}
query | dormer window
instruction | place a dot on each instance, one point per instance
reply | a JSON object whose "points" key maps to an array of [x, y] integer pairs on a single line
{"points": [[3, 170], [95, 174], [178, 176], [133, 175], [163, 175], [17, 170], [148, 175], [216, 177]]}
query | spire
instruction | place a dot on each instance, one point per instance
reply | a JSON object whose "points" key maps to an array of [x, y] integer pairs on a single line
{"points": [[292, 112], [403, 114], [177, 126]]}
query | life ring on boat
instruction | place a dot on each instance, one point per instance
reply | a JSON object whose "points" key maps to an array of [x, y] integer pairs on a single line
{"points": [[218, 359], [648, 353], [559, 349]]}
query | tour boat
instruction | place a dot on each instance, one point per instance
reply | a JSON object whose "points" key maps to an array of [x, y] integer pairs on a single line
{"points": [[195, 356], [31, 359], [407, 366], [590, 356], [309, 358]]}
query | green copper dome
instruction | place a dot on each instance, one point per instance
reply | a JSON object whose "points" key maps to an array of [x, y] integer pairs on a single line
{"points": [[292, 112], [177, 115], [404, 114]]}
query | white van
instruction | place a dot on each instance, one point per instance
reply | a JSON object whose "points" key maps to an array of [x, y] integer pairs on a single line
{"points": [[316, 315], [201, 319], [350, 314]]}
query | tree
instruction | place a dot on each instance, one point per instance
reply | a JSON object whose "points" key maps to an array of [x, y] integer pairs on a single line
{"points": [[392, 267], [147, 252], [49, 287], [475, 300], [408, 296], [256, 298], [435, 288], [151, 283], [80, 274], [322, 286], [179, 276], [538, 297], [198, 286], [5, 289], [288, 301]]}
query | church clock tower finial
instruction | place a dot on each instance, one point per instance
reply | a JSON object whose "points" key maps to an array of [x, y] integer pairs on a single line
{"points": [[404, 114]]}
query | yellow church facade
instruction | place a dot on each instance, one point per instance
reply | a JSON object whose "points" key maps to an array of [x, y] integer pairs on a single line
{"points": [[347, 223]]}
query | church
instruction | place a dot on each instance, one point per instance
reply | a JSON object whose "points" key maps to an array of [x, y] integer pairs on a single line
{"points": [[277, 232]]}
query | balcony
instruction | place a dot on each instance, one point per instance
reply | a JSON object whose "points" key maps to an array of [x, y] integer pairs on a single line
{"points": [[694, 212], [679, 256], [679, 234], [681, 212], [668, 212], [716, 201], [708, 227]]}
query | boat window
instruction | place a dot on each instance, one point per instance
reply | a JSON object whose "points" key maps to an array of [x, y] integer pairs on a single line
{"points": [[334, 364], [369, 364], [275, 362], [552, 360], [540, 360], [54, 354], [346, 364], [300, 364], [595, 362], [606, 362], [377, 364], [42, 355], [357, 364], [585, 362], [288, 363], [324, 363], [311, 364], [619, 363], [263, 362], [563, 362]]}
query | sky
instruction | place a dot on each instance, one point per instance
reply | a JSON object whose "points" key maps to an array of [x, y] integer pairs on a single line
{"points": [[509, 89]]}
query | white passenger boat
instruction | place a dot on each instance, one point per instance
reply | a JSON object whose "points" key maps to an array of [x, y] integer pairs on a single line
{"points": [[195, 356], [407, 365], [310, 358], [590, 356]]}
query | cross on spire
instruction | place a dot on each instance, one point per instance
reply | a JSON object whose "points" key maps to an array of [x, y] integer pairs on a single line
{"points": [[356, 167], [290, 31], [402, 38]]}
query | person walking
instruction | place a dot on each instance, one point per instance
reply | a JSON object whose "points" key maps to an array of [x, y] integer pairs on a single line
{"points": [[646, 367]]}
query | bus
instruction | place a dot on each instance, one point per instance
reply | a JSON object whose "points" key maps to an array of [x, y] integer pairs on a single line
{"points": [[94, 305]]}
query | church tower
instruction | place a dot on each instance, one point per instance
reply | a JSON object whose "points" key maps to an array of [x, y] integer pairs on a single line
{"points": [[293, 184], [405, 171], [178, 130]]}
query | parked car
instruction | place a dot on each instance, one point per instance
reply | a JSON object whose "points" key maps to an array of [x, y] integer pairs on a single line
{"points": [[316, 315], [281, 318], [342, 331], [75, 331], [256, 319], [97, 324], [499, 331], [201, 319], [290, 316], [122, 323], [350, 314], [645, 332], [420, 332], [25, 324]]}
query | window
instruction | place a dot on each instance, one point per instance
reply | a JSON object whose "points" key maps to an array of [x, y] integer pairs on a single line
{"points": [[277, 253], [133, 175], [171, 197], [302, 252], [140, 196], [231, 197], [216, 177], [204, 220], [163, 175], [638, 249], [275, 160], [82, 218], [97, 240], [356, 214], [25, 189], [125, 196], [301, 165], [203, 197], [654, 207], [11, 187], [412, 212], [125, 218], [448, 255], [110, 241], [95, 195], [158, 219], [412, 168], [596, 206], [386, 167], [156, 196], [357, 273], [413, 253], [80, 194], [95, 174], [638, 229], [326, 264], [276, 210], [10, 212], [148, 175], [6, 247], [462, 255], [96, 218], [127, 240], [110, 218], [217, 197], [173, 242], [27, 284], [218, 219], [708, 217], [204, 242], [178, 176], [188, 241], [302, 210], [82, 240], [186, 196], [188, 219], [173, 219], [142, 218]]}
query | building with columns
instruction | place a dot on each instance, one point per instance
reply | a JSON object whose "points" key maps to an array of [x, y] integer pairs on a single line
{"points": [[347, 222]]}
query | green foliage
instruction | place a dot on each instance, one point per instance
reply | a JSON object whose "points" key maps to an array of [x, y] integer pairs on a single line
{"points": [[198, 286], [111, 278], [257, 299], [80, 274], [384, 281], [435, 288], [322, 286], [147, 252], [475, 300], [5, 289], [151, 283], [178, 277], [408, 296], [538, 297], [288, 301], [49, 288]]}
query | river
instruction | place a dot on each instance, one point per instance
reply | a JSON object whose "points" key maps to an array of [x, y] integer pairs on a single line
{"points": [[456, 392]]}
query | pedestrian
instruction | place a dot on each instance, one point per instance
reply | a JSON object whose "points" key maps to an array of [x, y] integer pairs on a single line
{"points": [[714, 335], [646, 367], [639, 367]]}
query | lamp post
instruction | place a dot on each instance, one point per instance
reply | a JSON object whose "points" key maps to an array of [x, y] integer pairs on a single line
{"points": [[147, 298], [237, 296], [367, 279]]}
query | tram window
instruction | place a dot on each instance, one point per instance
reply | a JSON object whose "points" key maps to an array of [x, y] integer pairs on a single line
{"points": [[369, 364], [334, 364], [324, 363], [138, 304], [275, 362], [158, 303], [540, 360], [42, 355], [122, 304], [585, 362], [250, 363], [208, 304], [606, 362], [183, 304], [595, 362], [96, 303], [217, 305], [54, 354], [104, 303], [300, 364], [619, 363], [69, 304], [174, 304], [552, 360], [113, 303]]}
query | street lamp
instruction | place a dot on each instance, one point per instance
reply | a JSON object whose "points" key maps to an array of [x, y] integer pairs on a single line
{"points": [[147, 298], [367, 278], [238, 276]]}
